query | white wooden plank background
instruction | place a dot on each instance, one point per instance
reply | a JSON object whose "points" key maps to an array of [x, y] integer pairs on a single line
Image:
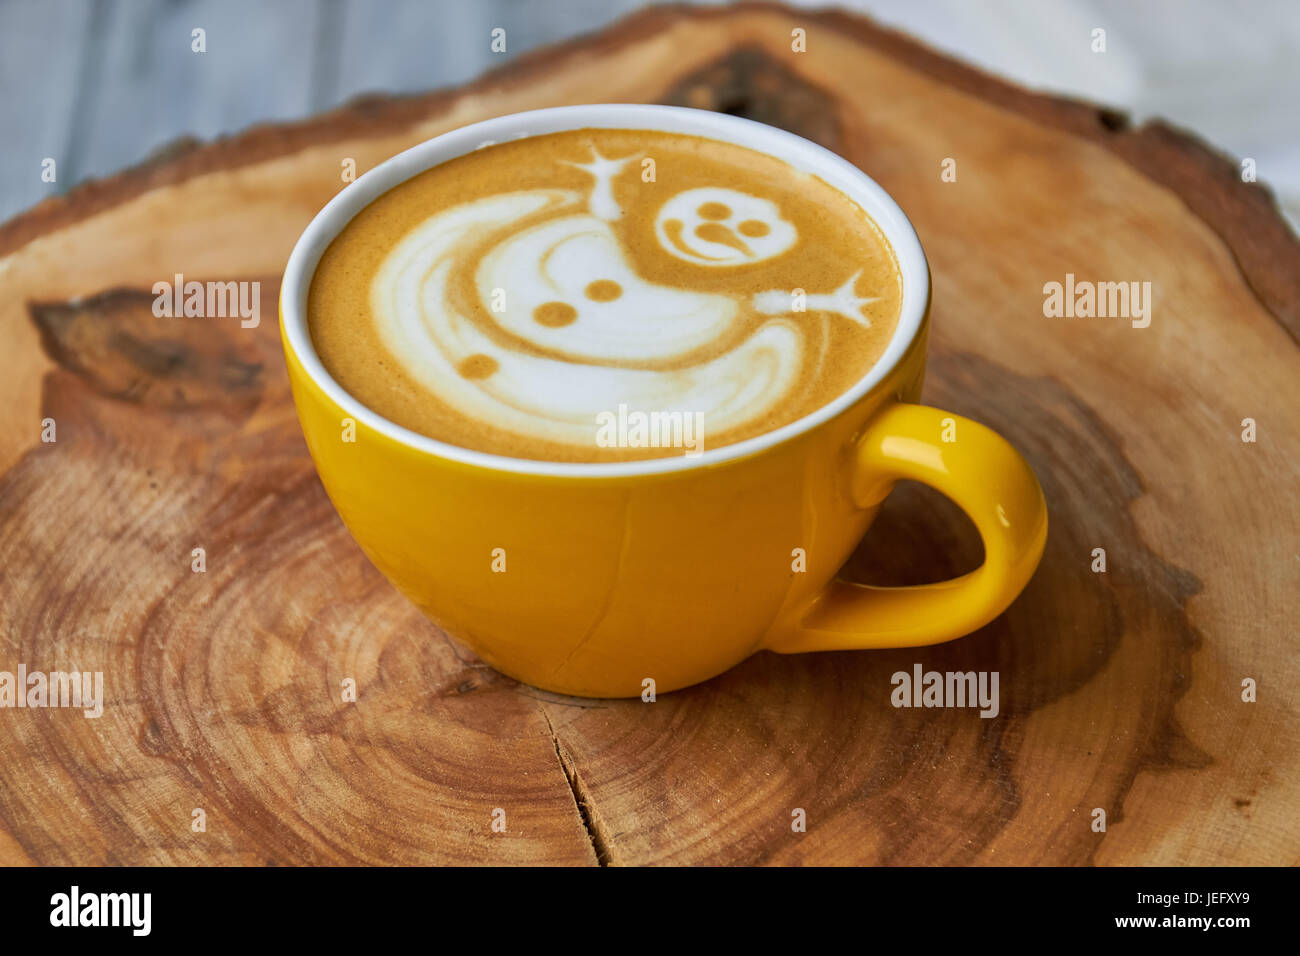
{"points": [[100, 84]]}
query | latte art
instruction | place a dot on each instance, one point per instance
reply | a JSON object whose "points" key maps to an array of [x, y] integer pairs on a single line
{"points": [[530, 260], [723, 227], [511, 318]]}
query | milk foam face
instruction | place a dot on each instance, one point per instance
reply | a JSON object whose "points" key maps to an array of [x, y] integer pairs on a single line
{"points": [[510, 300]]}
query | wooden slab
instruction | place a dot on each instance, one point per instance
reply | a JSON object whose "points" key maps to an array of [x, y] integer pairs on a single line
{"points": [[1120, 691]]}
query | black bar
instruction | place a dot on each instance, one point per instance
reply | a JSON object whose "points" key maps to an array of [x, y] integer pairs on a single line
{"points": [[335, 906]]}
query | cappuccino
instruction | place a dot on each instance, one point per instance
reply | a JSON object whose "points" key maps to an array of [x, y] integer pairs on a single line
{"points": [[604, 295]]}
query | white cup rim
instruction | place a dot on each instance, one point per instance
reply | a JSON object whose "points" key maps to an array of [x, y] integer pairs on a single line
{"points": [[795, 150]]}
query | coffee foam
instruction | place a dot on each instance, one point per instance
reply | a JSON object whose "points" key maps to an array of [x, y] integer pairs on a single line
{"points": [[505, 300]]}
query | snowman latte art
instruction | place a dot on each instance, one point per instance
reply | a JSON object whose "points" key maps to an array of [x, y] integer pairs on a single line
{"points": [[521, 299]]}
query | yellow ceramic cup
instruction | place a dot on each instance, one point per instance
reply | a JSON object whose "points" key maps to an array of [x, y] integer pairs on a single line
{"points": [[592, 579]]}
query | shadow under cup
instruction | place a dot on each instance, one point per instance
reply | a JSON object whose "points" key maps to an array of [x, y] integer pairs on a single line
{"points": [[594, 579]]}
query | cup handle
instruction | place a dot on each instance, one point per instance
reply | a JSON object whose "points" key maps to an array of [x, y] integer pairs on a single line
{"points": [[988, 479]]}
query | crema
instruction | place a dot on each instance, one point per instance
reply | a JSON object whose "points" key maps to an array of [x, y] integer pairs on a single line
{"points": [[602, 295]]}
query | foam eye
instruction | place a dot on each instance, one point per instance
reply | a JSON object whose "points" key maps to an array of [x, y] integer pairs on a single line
{"points": [[603, 290], [714, 226], [555, 315], [478, 366]]}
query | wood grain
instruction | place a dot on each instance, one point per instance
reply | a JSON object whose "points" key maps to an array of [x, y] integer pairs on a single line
{"points": [[1119, 691]]}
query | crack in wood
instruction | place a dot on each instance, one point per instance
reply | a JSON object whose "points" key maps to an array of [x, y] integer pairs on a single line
{"points": [[600, 842]]}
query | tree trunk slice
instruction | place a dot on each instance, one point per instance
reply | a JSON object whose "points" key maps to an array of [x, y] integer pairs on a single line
{"points": [[1120, 691]]}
